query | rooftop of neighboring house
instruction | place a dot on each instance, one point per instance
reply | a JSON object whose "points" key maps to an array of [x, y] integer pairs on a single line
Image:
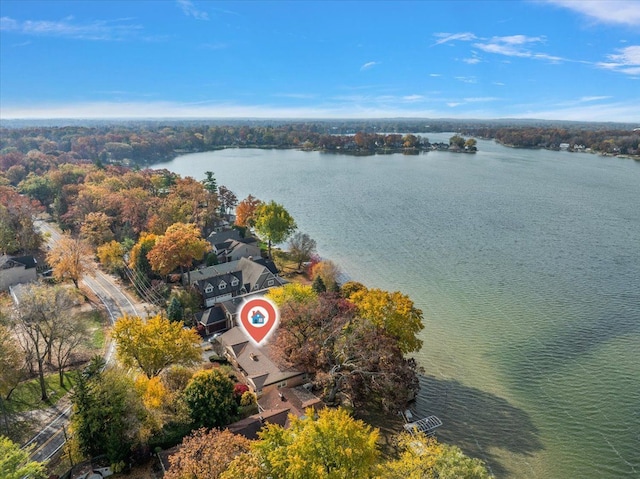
{"points": [[7, 261]]}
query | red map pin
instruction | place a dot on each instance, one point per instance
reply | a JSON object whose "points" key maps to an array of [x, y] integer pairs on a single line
{"points": [[258, 318]]}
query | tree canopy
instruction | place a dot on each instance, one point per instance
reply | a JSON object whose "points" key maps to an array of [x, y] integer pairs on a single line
{"points": [[70, 258], [393, 312], [206, 454], [15, 462], [274, 223], [329, 444], [181, 244], [209, 397], [154, 344]]}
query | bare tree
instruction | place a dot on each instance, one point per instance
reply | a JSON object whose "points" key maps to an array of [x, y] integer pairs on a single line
{"points": [[70, 334], [37, 318], [301, 247]]}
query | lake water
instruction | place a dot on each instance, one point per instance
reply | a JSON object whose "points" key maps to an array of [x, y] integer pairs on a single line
{"points": [[526, 264]]}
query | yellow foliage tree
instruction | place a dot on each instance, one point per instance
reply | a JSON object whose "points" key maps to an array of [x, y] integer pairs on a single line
{"points": [[155, 344], [393, 312], [111, 255], [329, 445], [70, 258], [96, 228], [423, 457], [292, 292]]}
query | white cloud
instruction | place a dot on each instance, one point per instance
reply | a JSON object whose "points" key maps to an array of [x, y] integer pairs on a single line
{"points": [[585, 99], [435, 75], [467, 79], [454, 104], [190, 10], [67, 28], [624, 12], [369, 65], [481, 99], [413, 98], [451, 37], [626, 60]]}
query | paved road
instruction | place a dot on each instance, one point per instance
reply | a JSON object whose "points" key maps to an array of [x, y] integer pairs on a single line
{"points": [[52, 437]]}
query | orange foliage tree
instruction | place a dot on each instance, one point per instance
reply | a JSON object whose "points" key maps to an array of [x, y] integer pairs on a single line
{"points": [[181, 244], [246, 211], [206, 454], [70, 258]]}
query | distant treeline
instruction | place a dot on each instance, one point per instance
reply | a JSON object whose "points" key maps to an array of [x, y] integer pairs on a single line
{"points": [[625, 142], [151, 142]]}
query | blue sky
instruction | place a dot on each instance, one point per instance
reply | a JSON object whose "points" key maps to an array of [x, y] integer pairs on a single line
{"points": [[570, 60]]}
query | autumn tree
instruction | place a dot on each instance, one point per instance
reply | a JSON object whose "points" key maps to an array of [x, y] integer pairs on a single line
{"points": [[246, 211], [17, 231], [96, 228], [227, 198], [329, 444], [351, 358], [422, 457], [70, 258], [39, 317], [138, 260], [470, 144], [154, 344], [16, 464], [393, 312], [301, 247], [273, 223], [111, 256], [329, 272], [291, 292], [206, 454], [181, 244]]}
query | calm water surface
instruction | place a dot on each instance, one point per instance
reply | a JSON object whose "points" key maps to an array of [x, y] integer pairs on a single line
{"points": [[527, 267]]}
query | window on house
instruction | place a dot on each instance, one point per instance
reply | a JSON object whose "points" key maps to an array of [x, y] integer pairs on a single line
{"points": [[208, 289], [222, 285], [270, 282], [234, 282]]}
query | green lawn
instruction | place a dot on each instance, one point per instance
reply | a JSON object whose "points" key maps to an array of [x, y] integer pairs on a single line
{"points": [[26, 396]]}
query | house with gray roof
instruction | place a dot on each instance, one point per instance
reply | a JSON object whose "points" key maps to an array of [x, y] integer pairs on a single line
{"points": [[259, 371], [222, 282], [230, 246], [16, 270]]}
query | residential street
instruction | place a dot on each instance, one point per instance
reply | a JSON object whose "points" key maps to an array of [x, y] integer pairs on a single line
{"points": [[105, 287]]}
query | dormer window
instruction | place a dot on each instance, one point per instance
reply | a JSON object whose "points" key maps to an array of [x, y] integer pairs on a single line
{"points": [[270, 282], [222, 285], [234, 282], [208, 289]]}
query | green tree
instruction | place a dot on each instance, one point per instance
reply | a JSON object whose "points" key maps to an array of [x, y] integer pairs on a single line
{"points": [[210, 183], [457, 141], [15, 463], [318, 285], [209, 397], [274, 223], [155, 343], [107, 414], [470, 144], [329, 444], [175, 311]]}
